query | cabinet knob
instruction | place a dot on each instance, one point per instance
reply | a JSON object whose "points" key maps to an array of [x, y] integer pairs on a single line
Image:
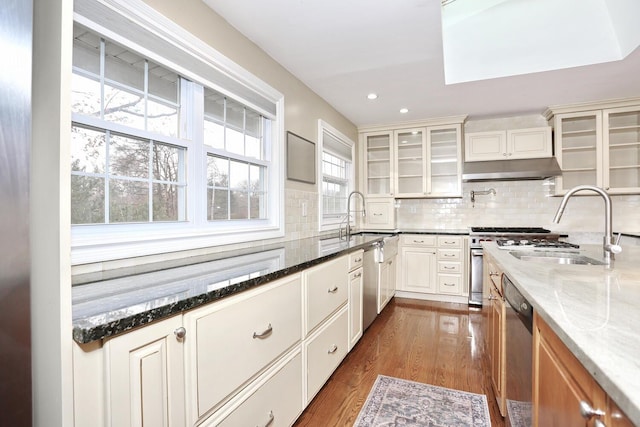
{"points": [[180, 333], [588, 412]]}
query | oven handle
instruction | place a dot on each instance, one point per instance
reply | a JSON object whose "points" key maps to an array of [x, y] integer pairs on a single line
{"points": [[476, 252]]}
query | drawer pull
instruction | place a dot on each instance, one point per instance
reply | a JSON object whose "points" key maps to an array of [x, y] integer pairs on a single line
{"points": [[269, 421], [357, 275], [446, 242], [333, 290], [377, 214], [264, 333], [333, 349], [449, 284], [588, 412], [357, 260], [418, 241], [448, 268], [449, 255]]}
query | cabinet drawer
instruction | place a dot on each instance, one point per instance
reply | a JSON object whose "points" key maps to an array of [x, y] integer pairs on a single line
{"points": [[449, 267], [325, 350], [227, 349], [449, 254], [326, 289], [418, 240], [450, 241], [355, 260], [449, 284], [279, 398]]}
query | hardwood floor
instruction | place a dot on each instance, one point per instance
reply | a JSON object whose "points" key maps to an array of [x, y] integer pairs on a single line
{"points": [[429, 342]]}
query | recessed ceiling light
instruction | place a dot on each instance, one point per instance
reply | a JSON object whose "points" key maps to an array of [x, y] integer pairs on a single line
{"points": [[404, 110], [372, 96]]}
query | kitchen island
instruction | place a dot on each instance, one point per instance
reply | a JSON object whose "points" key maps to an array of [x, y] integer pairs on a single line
{"points": [[594, 311]]}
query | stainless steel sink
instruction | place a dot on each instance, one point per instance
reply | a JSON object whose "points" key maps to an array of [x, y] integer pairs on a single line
{"points": [[556, 258]]}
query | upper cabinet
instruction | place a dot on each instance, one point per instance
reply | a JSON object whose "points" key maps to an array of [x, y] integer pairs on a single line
{"points": [[377, 160], [508, 144], [411, 162], [599, 147]]}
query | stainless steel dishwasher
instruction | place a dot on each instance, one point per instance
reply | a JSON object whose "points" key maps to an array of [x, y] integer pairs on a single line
{"points": [[370, 288]]}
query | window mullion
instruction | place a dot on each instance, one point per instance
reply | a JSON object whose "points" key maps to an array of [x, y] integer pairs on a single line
{"points": [[107, 178], [102, 66], [150, 181]]}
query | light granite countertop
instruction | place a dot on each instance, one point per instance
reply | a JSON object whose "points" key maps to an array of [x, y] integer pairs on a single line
{"points": [[595, 310]]}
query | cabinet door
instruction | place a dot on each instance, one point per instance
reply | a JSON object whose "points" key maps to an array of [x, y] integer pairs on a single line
{"points": [[411, 155], [355, 306], [579, 149], [560, 382], [481, 146], [497, 349], [529, 143], [380, 214], [386, 282], [145, 372], [621, 150], [444, 154], [419, 270], [377, 158]]}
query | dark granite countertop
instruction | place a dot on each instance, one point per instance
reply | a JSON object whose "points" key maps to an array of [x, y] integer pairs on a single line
{"points": [[109, 303]]}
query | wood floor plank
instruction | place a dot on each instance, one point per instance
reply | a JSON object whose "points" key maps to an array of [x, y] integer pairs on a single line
{"points": [[430, 342]]}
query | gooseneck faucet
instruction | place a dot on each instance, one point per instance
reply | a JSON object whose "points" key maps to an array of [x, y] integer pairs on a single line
{"points": [[610, 247], [364, 213]]}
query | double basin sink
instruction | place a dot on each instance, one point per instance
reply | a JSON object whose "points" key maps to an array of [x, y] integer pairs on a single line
{"points": [[552, 257]]}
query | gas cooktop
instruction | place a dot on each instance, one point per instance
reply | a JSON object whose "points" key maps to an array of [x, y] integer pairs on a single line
{"points": [[534, 243]]}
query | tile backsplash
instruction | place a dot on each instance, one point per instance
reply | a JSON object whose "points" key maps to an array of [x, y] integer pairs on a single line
{"points": [[518, 203]]}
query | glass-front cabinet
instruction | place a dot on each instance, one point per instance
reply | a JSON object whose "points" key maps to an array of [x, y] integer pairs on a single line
{"points": [[599, 147], [378, 163], [445, 161], [622, 158], [411, 162], [411, 158]]}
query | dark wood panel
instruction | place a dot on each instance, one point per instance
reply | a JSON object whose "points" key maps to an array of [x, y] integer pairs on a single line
{"points": [[435, 343]]}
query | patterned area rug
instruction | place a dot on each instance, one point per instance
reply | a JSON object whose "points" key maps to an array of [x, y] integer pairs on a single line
{"points": [[397, 402], [519, 413]]}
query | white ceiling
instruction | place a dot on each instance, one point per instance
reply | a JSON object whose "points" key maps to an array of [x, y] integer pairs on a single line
{"points": [[345, 49]]}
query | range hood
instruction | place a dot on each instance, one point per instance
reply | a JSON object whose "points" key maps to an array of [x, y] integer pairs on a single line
{"points": [[521, 169]]}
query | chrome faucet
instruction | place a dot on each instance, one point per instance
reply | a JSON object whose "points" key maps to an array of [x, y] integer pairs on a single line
{"points": [[610, 247], [348, 218]]}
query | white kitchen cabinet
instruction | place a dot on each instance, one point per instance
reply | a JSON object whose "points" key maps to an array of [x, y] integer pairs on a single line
{"points": [[233, 340], [380, 214], [509, 144], [356, 288], [274, 400], [418, 161], [145, 376], [327, 289], [598, 146], [418, 255], [325, 349], [377, 163], [433, 267], [386, 282]]}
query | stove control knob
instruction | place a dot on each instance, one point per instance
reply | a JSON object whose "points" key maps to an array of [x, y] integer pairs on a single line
{"points": [[524, 242], [511, 242]]}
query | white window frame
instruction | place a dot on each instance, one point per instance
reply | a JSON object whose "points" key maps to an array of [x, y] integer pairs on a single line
{"points": [[95, 243], [332, 223]]}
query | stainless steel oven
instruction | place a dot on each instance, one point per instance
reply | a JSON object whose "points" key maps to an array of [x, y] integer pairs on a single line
{"points": [[518, 364], [513, 235]]}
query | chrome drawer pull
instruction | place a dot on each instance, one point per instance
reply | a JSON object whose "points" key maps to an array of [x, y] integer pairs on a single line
{"points": [[333, 290], [449, 284], [377, 214], [269, 421], [449, 243], [357, 260], [333, 349], [449, 255], [418, 241], [449, 268], [264, 333], [358, 275], [588, 412]]}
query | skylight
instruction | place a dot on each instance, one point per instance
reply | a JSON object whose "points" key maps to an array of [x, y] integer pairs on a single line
{"points": [[484, 39]]}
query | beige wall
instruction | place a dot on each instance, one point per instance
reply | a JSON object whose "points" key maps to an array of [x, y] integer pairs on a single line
{"points": [[303, 107]]}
